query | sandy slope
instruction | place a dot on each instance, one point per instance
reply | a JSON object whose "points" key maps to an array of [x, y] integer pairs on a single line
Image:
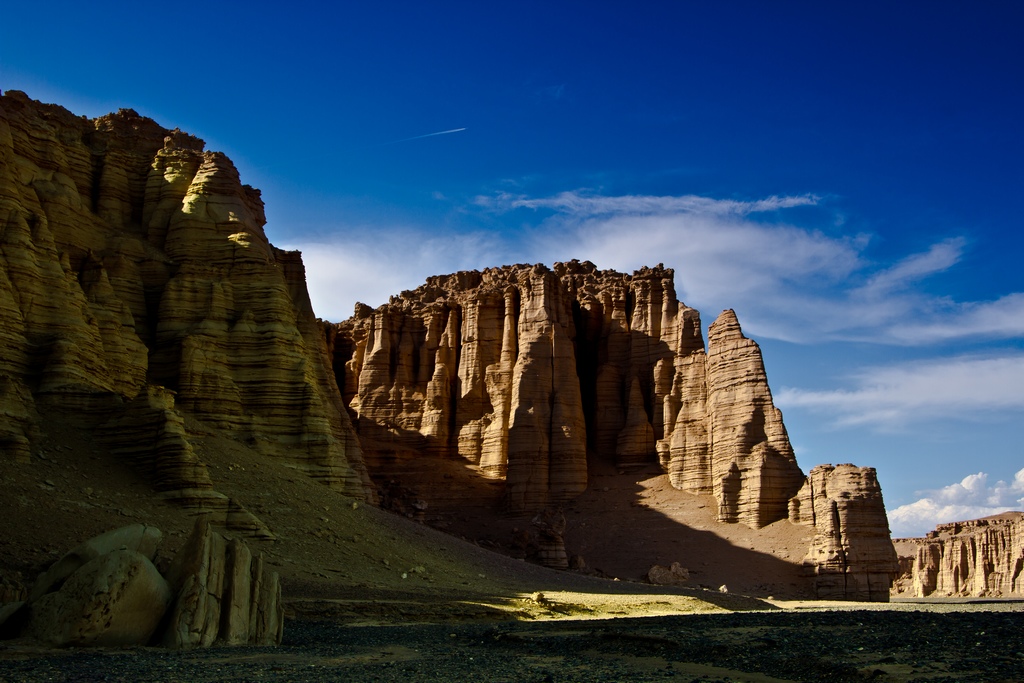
{"points": [[371, 564]]}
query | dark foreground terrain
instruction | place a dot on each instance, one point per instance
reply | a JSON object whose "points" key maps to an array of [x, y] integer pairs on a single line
{"points": [[792, 645]]}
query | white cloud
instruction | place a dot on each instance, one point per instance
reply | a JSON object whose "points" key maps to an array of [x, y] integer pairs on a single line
{"points": [[1002, 318], [785, 281], [938, 258], [587, 204], [970, 498], [370, 266], [892, 396]]}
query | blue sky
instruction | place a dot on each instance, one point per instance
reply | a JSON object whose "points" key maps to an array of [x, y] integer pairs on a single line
{"points": [[847, 176]]}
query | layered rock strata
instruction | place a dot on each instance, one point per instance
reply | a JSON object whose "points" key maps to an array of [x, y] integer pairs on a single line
{"points": [[851, 555], [223, 594], [523, 370], [976, 558], [534, 376], [137, 286]]}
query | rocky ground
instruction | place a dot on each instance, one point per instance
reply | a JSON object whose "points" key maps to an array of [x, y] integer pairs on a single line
{"points": [[901, 643]]}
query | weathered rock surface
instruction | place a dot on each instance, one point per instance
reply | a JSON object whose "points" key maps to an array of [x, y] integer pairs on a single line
{"points": [[224, 595], [138, 538], [533, 376], [136, 287], [851, 555], [108, 592], [117, 598], [976, 558], [521, 370], [673, 575]]}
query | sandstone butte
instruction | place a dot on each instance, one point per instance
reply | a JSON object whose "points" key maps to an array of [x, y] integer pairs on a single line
{"points": [[139, 295], [976, 558]]}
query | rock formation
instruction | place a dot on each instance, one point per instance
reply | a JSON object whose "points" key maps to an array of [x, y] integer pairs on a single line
{"points": [[976, 558], [141, 300], [522, 370], [224, 595], [108, 592], [137, 287], [532, 376], [851, 556]]}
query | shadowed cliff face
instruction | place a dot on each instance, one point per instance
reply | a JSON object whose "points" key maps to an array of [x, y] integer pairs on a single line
{"points": [[137, 287], [535, 377]]}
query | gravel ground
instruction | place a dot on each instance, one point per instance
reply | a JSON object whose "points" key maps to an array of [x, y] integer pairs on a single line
{"points": [[795, 645]]}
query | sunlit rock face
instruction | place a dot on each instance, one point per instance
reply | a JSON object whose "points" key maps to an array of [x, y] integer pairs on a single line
{"points": [[524, 370], [137, 286], [533, 376], [851, 555], [976, 558]]}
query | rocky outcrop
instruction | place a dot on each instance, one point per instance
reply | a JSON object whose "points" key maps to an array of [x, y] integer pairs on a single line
{"points": [[521, 370], [224, 594], [851, 556], [976, 558], [674, 575], [109, 592], [533, 376], [137, 538], [136, 287]]}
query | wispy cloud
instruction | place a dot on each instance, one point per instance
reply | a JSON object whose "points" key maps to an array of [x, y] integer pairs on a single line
{"points": [[939, 257], [588, 205], [970, 498], [893, 396], [787, 281], [370, 266], [1002, 318]]}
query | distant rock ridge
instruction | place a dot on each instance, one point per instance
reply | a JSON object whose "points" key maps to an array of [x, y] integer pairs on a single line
{"points": [[975, 558], [137, 286], [534, 375]]}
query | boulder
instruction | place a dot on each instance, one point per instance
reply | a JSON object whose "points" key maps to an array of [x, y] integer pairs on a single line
{"points": [[137, 537], [674, 575], [118, 598]]}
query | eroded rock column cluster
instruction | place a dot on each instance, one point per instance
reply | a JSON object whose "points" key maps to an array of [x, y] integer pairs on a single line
{"points": [[532, 375]]}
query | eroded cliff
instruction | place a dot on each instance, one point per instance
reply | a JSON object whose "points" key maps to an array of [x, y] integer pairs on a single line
{"points": [[535, 377], [137, 288], [976, 558]]}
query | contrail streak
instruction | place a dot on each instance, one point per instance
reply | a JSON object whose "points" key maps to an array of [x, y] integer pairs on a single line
{"points": [[428, 135]]}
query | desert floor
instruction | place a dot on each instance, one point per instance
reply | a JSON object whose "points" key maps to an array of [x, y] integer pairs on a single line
{"points": [[555, 638]]}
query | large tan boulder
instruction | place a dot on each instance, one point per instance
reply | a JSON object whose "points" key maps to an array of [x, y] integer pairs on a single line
{"points": [[118, 598]]}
